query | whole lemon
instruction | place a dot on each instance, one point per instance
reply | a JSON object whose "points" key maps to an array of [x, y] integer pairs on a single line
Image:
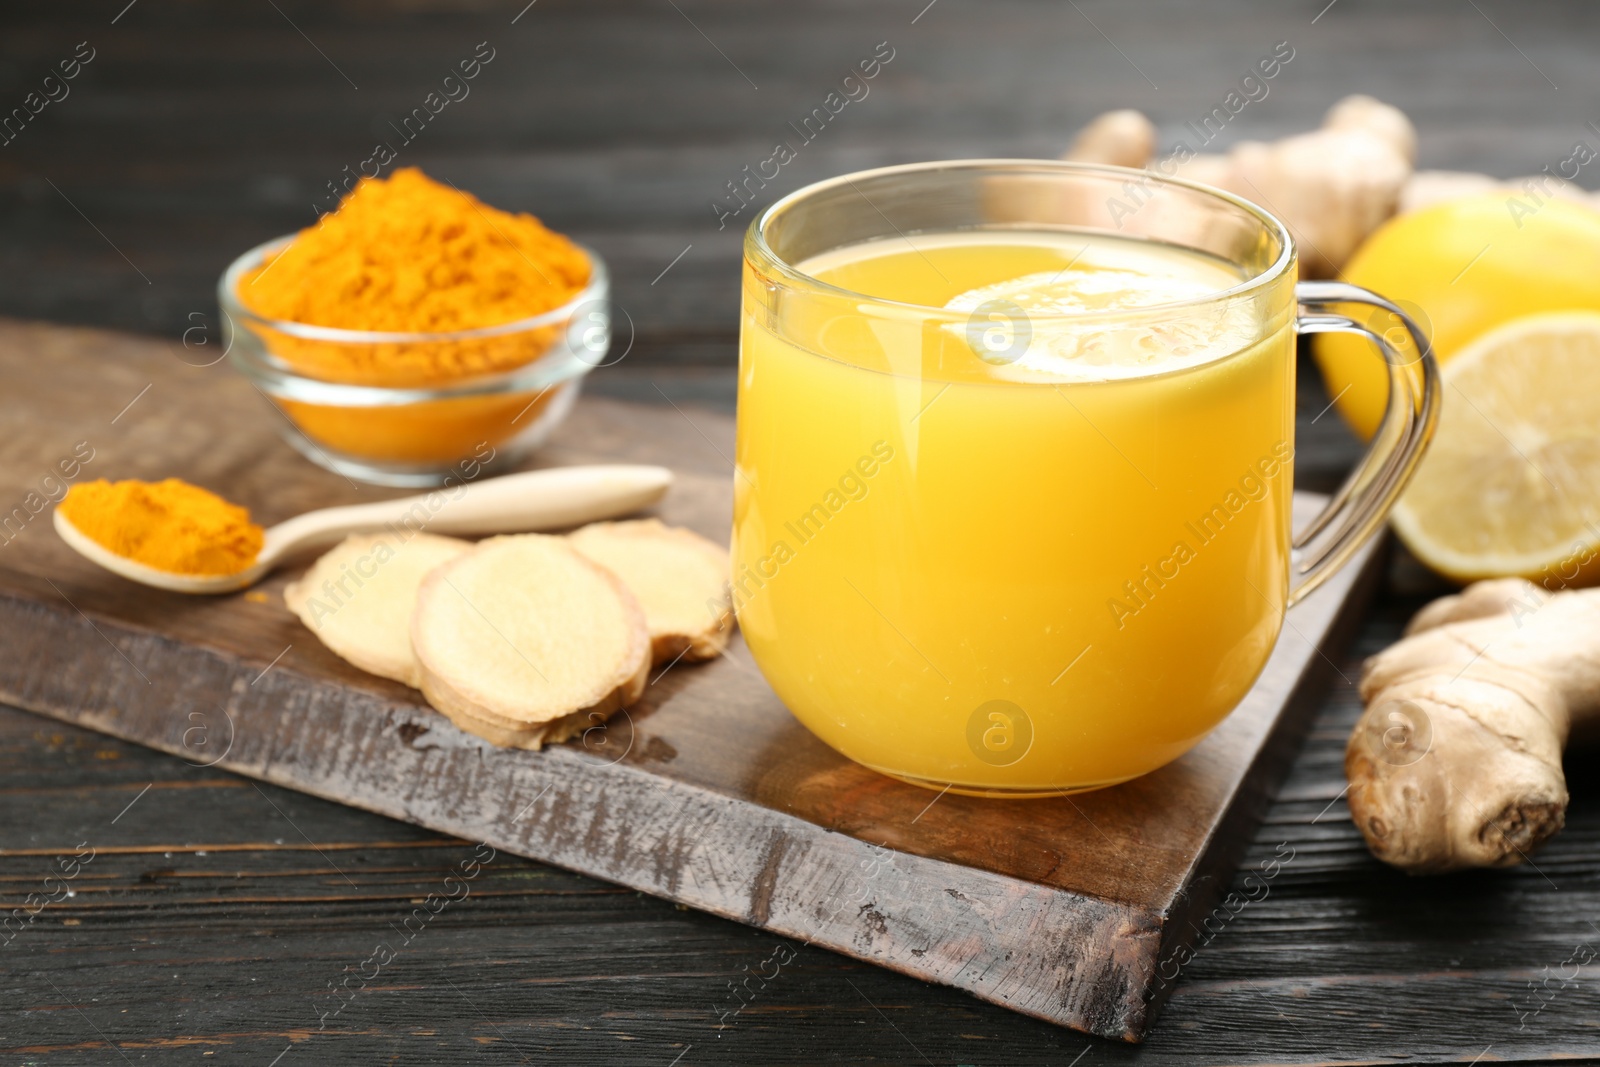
{"points": [[1460, 269]]}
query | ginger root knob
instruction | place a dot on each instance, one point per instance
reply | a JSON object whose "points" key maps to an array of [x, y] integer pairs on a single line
{"points": [[1456, 761], [1332, 186], [1122, 138]]}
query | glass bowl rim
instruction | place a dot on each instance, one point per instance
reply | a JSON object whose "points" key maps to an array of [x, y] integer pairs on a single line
{"points": [[233, 305], [755, 236]]}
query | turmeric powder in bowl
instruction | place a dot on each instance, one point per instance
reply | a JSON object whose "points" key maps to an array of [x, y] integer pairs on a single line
{"points": [[417, 326]]}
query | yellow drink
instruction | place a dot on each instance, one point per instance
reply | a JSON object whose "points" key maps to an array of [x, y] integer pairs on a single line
{"points": [[1001, 529]]}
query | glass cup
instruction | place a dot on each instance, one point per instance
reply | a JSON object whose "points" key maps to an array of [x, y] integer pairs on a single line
{"points": [[964, 569]]}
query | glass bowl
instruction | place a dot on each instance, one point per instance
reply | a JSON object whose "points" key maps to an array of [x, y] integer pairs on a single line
{"points": [[415, 409]]}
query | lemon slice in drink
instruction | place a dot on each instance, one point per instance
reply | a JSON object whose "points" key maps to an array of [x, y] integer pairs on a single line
{"points": [[1029, 326], [1511, 483]]}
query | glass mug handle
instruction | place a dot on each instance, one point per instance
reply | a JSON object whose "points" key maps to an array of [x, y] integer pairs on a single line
{"points": [[1363, 501]]}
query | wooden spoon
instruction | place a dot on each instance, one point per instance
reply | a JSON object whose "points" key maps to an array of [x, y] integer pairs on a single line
{"points": [[533, 500]]}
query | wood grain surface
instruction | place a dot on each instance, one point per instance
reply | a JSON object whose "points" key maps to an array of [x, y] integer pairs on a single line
{"points": [[1078, 910], [217, 913]]}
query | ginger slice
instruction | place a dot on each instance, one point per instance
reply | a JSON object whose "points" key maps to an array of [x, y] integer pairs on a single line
{"points": [[1456, 761], [523, 640], [680, 578], [358, 598]]}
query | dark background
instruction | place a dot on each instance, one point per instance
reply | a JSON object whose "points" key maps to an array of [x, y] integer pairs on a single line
{"points": [[214, 924]]}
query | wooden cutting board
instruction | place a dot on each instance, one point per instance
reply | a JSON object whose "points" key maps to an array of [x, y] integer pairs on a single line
{"points": [[1076, 910]]}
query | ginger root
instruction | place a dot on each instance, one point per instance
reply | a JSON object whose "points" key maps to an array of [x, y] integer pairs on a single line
{"points": [[1429, 187], [1331, 187], [1369, 115], [1456, 761], [1122, 138]]}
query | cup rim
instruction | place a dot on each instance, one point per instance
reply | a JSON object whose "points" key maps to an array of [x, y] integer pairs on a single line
{"points": [[233, 304], [756, 234]]}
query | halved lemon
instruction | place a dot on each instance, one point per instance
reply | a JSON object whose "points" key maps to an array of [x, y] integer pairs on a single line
{"points": [[1511, 483]]}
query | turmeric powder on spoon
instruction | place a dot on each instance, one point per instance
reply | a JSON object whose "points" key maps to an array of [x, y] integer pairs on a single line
{"points": [[169, 525]]}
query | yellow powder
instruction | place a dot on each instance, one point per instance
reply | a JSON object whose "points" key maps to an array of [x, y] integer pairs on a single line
{"points": [[169, 525], [411, 255]]}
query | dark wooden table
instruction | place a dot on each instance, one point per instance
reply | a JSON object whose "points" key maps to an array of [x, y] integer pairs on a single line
{"points": [[217, 913]]}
